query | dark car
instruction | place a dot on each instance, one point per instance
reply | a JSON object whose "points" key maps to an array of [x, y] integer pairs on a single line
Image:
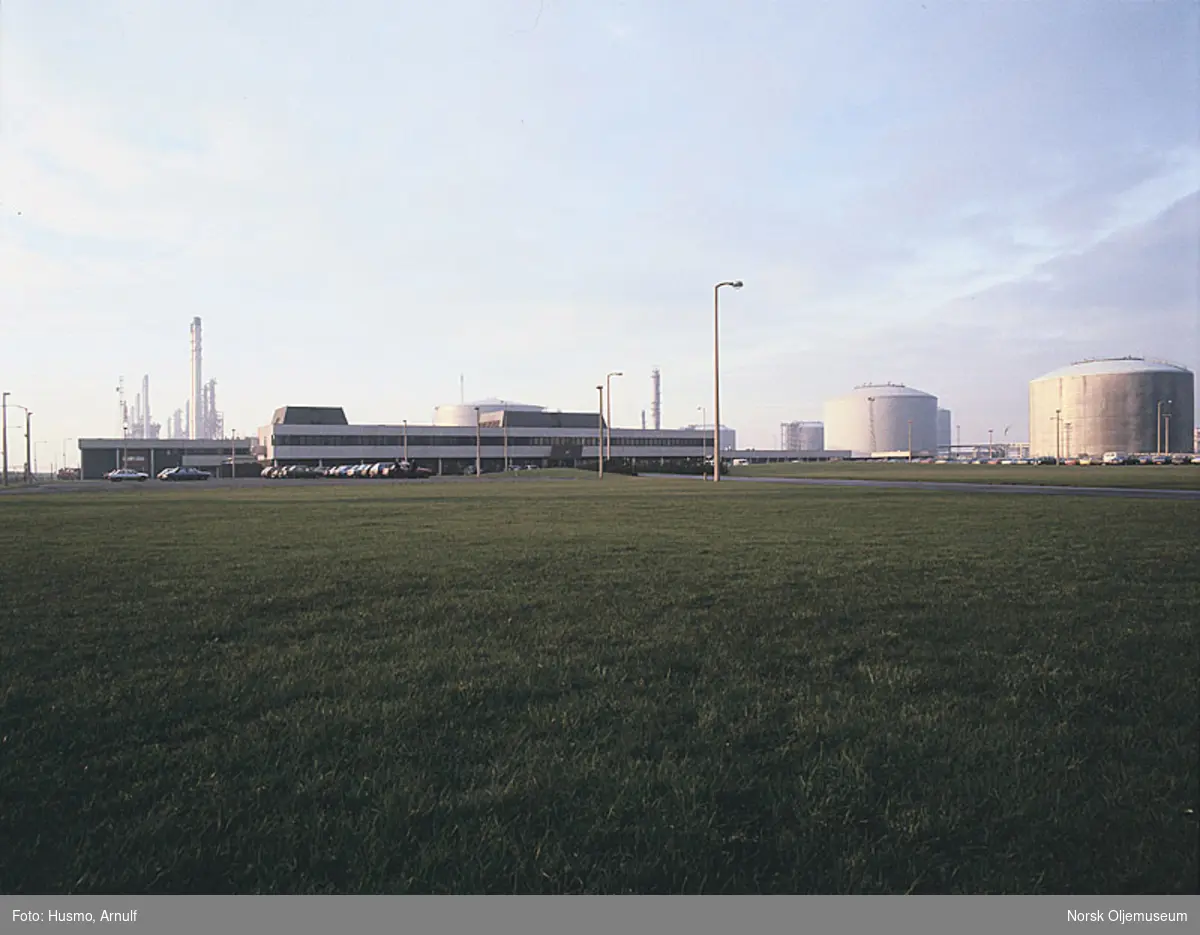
{"points": [[184, 473]]}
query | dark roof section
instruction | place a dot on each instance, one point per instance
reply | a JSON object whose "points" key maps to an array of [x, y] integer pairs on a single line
{"points": [[309, 415], [516, 418]]}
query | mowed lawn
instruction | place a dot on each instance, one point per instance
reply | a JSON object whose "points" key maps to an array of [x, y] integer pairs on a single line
{"points": [[638, 685], [1147, 476]]}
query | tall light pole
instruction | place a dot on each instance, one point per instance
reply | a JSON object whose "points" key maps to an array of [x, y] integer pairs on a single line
{"points": [[4, 406], [65, 440], [1058, 435], [735, 284], [478, 447], [600, 438], [406, 440], [1158, 427], [1167, 429], [990, 449], [28, 462], [608, 398]]}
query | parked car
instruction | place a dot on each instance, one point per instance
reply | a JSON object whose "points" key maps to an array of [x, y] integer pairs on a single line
{"points": [[68, 474], [183, 473], [122, 474]]}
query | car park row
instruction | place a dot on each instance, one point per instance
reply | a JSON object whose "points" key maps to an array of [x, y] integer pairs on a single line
{"points": [[404, 469], [392, 469], [167, 474]]}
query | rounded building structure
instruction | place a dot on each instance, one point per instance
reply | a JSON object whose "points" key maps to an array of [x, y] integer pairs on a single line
{"points": [[803, 436], [1127, 404], [460, 414], [875, 418]]}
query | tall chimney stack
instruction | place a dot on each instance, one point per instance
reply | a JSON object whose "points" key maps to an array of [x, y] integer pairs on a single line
{"points": [[656, 400], [146, 433], [196, 403]]}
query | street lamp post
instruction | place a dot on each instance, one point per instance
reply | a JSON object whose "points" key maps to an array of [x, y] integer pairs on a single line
{"points": [[735, 284], [991, 451], [1058, 435], [4, 405], [28, 462], [608, 404], [64, 453], [406, 440], [1158, 427], [478, 447], [600, 437]]}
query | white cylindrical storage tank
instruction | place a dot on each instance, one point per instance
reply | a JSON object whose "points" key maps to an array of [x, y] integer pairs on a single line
{"points": [[464, 413], [875, 418], [1126, 404], [803, 436]]}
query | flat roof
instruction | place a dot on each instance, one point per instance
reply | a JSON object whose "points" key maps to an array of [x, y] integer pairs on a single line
{"points": [[157, 443]]}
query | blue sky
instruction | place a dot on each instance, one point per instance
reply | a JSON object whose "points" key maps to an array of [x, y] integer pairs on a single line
{"points": [[365, 200]]}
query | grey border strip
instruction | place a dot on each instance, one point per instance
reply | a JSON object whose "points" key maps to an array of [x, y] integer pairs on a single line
{"points": [[694, 915]]}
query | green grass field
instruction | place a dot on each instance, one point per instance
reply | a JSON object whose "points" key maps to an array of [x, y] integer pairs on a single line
{"points": [[1150, 477], [641, 686]]}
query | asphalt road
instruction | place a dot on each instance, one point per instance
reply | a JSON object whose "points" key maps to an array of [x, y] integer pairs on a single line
{"points": [[963, 487], [929, 486]]}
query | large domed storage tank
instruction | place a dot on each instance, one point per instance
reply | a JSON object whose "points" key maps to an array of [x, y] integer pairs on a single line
{"points": [[875, 418], [460, 414], [1126, 404]]}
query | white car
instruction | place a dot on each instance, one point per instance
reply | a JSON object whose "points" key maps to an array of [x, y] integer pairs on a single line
{"points": [[126, 474]]}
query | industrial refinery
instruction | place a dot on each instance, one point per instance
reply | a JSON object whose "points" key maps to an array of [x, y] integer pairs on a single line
{"points": [[1090, 409], [200, 419]]}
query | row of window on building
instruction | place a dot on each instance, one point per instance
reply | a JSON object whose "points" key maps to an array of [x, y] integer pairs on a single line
{"points": [[486, 441]]}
